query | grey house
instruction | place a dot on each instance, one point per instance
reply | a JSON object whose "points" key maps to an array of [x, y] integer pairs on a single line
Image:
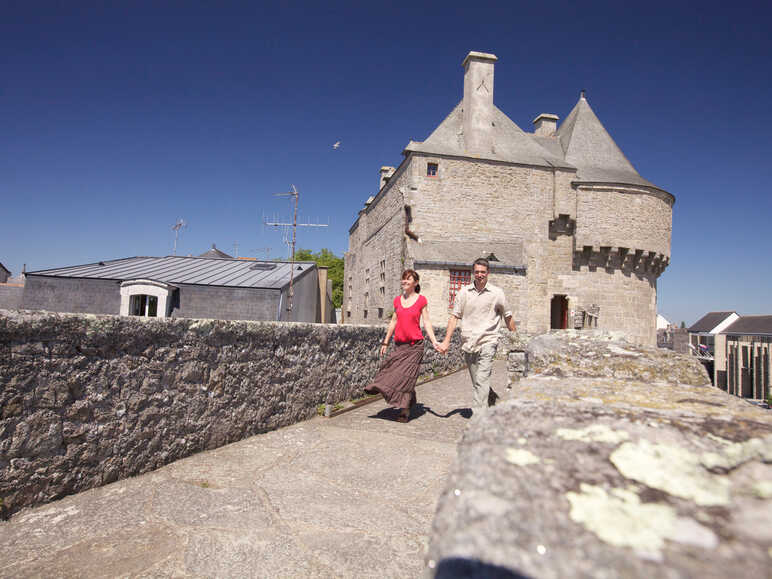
{"points": [[190, 287]]}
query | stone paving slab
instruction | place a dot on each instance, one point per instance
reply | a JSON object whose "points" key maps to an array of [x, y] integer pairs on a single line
{"points": [[349, 496]]}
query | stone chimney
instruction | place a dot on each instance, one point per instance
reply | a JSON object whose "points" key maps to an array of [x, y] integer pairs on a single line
{"points": [[478, 102], [386, 173], [545, 125]]}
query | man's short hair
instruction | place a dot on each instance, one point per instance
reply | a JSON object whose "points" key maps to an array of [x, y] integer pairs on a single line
{"points": [[482, 261]]}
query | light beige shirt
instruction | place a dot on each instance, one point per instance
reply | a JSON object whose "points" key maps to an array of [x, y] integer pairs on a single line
{"points": [[480, 314]]}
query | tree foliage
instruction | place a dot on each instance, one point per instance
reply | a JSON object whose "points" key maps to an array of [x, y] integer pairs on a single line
{"points": [[328, 259]]}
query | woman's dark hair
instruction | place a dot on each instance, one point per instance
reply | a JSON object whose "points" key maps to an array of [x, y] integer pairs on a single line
{"points": [[412, 273]]}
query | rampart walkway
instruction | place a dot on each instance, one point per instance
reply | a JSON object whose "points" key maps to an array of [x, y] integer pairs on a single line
{"points": [[350, 496]]}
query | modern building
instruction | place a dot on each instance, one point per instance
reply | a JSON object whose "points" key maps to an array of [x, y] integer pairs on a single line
{"points": [[190, 287], [742, 357], [576, 237]]}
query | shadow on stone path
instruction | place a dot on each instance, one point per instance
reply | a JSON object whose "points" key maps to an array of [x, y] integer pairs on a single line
{"points": [[350, 496]]}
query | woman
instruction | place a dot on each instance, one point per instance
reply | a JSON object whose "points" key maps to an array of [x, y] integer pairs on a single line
{"points": [[398, 374]]}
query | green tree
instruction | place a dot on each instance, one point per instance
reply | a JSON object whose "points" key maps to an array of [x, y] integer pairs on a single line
{"points": [[683, 324], [328, 259]]}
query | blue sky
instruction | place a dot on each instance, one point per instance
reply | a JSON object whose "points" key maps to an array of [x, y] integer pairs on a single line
{"points": [[118, 118]]}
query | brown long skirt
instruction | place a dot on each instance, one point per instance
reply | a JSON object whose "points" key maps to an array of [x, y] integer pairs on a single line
{"points": [[398, 374]]}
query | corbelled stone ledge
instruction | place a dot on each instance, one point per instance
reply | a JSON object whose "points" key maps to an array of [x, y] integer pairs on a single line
{"points": [[608, 460], [86, 400]]}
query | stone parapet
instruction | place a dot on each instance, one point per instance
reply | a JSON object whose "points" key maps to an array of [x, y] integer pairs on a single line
{"points": [[87, 400], [609, 460]]}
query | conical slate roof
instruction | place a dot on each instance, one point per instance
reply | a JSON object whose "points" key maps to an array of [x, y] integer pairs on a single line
{"points": [[510, 143], [215, 253], [587, 145]]}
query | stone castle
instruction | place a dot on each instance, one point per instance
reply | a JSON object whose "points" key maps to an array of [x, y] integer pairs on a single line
{"points": [[575, 236]]}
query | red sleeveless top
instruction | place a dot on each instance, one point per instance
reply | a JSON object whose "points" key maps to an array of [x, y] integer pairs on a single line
{"points": [[408, 321]]}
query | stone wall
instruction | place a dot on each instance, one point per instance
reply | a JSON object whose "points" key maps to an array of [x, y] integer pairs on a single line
{"points": [[87, 400], [635, 218], [610, 260], [374, 263], [610, 460]]}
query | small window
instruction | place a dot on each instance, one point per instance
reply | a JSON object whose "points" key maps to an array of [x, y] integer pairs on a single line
{"points": [[380, 313], [365, 314], [431, 169], [382, 290], [143, 305], [348, 313], [458, 279]]}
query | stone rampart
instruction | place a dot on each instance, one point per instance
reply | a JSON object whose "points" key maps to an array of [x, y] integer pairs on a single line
{"points": [[86, 400], [609, 460]]}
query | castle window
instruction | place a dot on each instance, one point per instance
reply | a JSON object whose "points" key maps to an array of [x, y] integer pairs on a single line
{"points": [[458, 279], [431, 169], [380, 313], [365, 314]]}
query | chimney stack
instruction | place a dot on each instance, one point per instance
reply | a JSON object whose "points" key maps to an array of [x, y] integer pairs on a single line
{"points": [[478, 102], [545, 125], [386, 173]]}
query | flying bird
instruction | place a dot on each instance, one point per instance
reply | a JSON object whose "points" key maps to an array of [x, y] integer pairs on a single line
{"points": [[336, 145]]}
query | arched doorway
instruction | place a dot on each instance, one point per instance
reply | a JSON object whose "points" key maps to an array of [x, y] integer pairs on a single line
{"points": [[559, 312]]}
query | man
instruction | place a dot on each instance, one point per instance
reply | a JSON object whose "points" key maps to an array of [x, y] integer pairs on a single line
{"points": [[480, 307]]}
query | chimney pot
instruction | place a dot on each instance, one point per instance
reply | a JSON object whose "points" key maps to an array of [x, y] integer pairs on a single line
{"points": [[545, 125]]}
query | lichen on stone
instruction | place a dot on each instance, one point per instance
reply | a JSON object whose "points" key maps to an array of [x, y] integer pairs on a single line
{"points": [[594, 433], [619, 518], [735, 454], [763, 489], [671, 469], [521, 457]]}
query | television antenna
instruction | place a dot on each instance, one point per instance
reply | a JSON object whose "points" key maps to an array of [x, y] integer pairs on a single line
{"points": [[291, 244], [177, 227]]}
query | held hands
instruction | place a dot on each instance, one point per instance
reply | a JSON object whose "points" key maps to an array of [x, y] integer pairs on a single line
{"points": [[442, 348], [384, 347]]}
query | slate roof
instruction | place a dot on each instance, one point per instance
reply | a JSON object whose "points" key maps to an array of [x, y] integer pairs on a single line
{"points": [[5, 268], [581, 143], [216, 253], [751, 325], [175, 269], [709, 321], [463, 253], [510, 143], [587, 145]]}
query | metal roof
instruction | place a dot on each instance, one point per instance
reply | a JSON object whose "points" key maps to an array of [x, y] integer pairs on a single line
{"points": [[175, 269], [751, 325]]}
